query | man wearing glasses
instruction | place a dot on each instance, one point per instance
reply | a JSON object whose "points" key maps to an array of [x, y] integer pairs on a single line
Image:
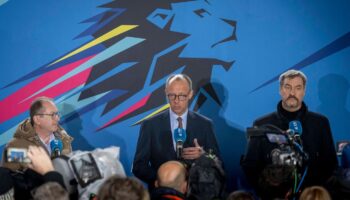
{"points": [[157, 144], [39, 130]]}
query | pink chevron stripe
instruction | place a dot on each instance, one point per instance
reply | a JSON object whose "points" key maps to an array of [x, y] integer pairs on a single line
{"points": [[15, 107], [134, 107], [13, 110], [39, 83]]}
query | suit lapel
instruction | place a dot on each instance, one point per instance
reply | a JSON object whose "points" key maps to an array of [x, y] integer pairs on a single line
{"points": [[189, 128], [167, 138]]}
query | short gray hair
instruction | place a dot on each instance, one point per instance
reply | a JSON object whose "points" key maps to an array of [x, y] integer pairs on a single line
{"points": [[292, 73], [176, 77]]}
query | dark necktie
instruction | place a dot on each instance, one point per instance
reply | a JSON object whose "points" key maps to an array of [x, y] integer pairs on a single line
{"points": [[179, 119]]}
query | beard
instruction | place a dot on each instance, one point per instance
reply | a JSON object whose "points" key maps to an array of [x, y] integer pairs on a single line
{"points": [[291, 102]]}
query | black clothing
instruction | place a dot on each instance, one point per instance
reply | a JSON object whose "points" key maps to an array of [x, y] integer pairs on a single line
{"points": [[6, 184], [54, 176], [164, 193], [206, 179], [25, 182], [316, 139]]}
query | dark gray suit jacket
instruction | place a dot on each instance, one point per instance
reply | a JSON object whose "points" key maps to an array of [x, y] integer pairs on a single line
{"points": [[155, 143]]}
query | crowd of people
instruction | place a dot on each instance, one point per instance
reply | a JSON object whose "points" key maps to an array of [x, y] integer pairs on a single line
{"points": [[177, 154]]}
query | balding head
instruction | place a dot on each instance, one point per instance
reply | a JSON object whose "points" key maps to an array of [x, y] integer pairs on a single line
{"points": [[172, 174]]}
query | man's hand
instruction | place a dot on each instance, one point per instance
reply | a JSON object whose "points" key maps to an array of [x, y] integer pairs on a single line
{"points": [[40, 161], [191, 153]]}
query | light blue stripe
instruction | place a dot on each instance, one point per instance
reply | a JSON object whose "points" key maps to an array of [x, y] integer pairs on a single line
{"points": [[8, 135], [3, 2], [69, 94], [73, 101], [155, 60], [114, 71], [111, 51], [110, 73]]}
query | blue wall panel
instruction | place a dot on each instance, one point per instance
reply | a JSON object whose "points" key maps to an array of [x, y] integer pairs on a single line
{"points": [[234, 50]]}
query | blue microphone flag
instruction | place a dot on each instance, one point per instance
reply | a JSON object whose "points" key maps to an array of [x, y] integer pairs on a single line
{"points": [[180, 134], [295, 126], [56, 145]]}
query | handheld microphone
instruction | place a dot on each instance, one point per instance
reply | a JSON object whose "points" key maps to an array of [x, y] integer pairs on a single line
{"points": [[180, 137], [56, 148]]}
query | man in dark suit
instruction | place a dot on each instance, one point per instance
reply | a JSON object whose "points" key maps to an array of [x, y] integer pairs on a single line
{"points": [[156, 144]]}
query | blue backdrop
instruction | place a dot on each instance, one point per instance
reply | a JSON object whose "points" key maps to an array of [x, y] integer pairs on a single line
{"points": [[105, 63]]}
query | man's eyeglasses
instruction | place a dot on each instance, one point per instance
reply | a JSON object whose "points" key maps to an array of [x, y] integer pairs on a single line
{"points": [[181, 97], [52, 115]]}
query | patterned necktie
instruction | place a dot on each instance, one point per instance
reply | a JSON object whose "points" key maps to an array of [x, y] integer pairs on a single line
{"points": [[179, 119]]}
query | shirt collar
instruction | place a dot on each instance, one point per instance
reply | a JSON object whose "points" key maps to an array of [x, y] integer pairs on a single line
{"points": [[48, 146], [174, 116]]}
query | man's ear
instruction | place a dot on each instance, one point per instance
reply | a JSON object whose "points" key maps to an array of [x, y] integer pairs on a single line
{"points": [[280, 90], [184, 187], [190, 95], [35, 119], [156, 183]]}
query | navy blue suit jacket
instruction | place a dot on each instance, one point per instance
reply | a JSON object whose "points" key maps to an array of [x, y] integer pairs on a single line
{"points": [[155, 144]]}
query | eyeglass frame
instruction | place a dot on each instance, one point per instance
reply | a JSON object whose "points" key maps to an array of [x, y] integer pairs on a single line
{"points": [[177, 96], [52, 115]]}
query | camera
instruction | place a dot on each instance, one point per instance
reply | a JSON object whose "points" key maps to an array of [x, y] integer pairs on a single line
{"points": [[84, 171], [286, 156], [289, 150], [17, 155]]}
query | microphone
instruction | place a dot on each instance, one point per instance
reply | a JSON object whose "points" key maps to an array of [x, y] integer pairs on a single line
{"points": [[56, 148], [295, 127], [295, 130], [180, 138]]}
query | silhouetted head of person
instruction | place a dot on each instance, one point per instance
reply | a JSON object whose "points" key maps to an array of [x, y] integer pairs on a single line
{"points": [[315, 193], [276, 181], [172, 174], [240, 195], [50, 191], [126, 188]]}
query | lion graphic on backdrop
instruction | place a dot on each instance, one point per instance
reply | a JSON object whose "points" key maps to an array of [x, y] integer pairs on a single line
{"points": [[166, 49]]}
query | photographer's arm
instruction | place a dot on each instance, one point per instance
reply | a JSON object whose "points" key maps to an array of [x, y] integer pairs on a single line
{"points": [[41, 163]]}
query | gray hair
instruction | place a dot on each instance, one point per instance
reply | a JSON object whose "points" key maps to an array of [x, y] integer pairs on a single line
{"points": [[292, 73], [50, 191], [176, 77]]}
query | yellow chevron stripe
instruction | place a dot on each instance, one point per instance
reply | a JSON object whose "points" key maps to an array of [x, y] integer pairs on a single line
{"points": [[117, 31], [166, 106]]}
